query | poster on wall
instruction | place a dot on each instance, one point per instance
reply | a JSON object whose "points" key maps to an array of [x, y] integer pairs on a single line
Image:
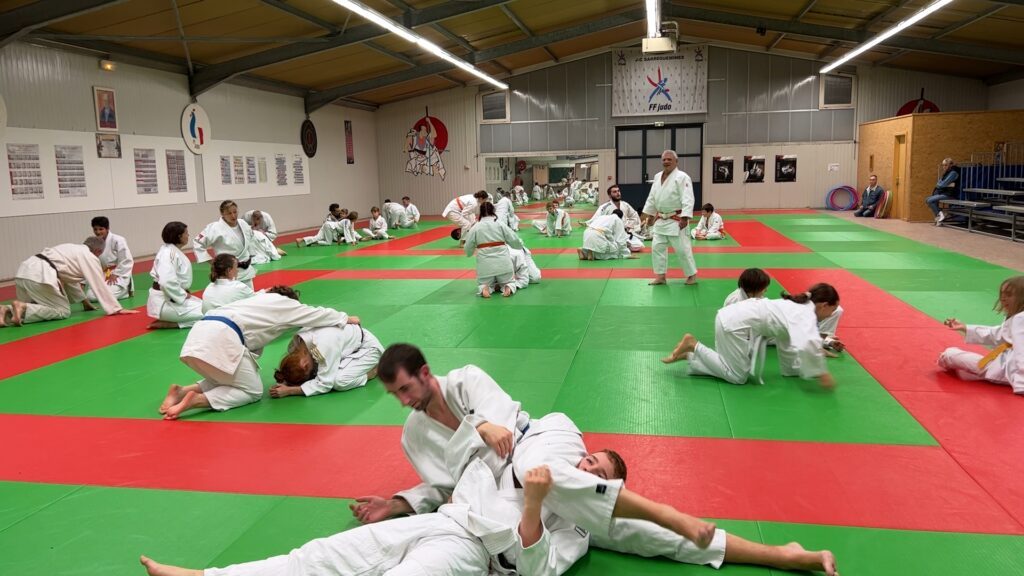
{"points": [[177, 177], [25, 172], [298, 170], [238, 165], [651, 84], [250, 169], [785, 168], [145, 171], [108, 145], [425, 142], [225, 170], [262, 169], [753, 169], [106, 109], [281, 168], [721, 170], [350, 155], [70, 171]]}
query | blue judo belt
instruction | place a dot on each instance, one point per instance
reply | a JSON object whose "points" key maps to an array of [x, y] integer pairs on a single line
{"points": [[229, 323]]}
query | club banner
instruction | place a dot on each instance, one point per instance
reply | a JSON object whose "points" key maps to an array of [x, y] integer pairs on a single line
{"points": [[646, 84]]}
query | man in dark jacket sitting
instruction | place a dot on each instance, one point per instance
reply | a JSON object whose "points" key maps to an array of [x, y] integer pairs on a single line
{"points": [[870, 198]]}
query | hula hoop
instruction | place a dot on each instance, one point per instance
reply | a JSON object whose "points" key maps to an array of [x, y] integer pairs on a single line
{"points": [[830, 198]]}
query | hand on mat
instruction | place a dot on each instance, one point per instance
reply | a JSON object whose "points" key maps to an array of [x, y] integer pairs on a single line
{"points": [[370, 509], [497, 437], [354, 320], [536, 485], [282, 390], [124, 312], [87, 306], [955, 324], [827, 381]]}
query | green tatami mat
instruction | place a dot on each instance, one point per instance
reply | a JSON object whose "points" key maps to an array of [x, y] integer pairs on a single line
{"points": [[955, 263]]}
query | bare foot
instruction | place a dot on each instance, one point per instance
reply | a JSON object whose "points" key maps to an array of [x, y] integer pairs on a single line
{"points": [[691, 280], [581, 253], [5, 311], [18, 312], [281, 252], [485, 292], [187, 401], [800, 559], [161, 325], [657, 281], [372, 374], [298, 243], [154, 568], [687, 345], [506, 291], [174, 395]]}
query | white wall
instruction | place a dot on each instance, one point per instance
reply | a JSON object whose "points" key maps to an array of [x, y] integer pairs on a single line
{"points": [[51, 89], [456, 108], [1006, 96], [813, 180], [882, 91]]}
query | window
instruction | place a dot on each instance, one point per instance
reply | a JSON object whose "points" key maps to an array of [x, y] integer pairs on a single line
{"points": [[494, 108], [837, 91]]}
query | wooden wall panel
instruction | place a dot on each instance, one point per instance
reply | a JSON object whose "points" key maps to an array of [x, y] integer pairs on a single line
{"points": [[876, 141]]}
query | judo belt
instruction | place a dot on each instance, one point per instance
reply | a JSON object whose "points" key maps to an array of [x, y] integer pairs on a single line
{"points": [[671, 216], [458, 203], [993, 354], [490, 244], [48, 261], [229, 323], [245, 265]]}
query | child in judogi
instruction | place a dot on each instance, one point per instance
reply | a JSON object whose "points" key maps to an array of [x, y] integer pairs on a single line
{"points": [[1004, 364], [491, 240], [557, 223], [170, 303], [116, 260], [743, 329], [378, 229], [605, 238], [710, 226], [224, 287]]}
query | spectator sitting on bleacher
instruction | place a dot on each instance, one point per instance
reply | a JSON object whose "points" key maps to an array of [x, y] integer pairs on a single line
{"points": [[947, 188], [870, 198]]}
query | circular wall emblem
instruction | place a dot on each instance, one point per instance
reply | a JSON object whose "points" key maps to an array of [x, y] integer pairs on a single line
{"points": [[307, 134], [195, 128]]}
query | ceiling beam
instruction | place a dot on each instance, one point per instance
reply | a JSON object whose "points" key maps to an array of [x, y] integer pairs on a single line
{"points": [[453, 37], [525, 29], [166, 38], [210, 76], [303, 15], [803, 12], [22, 20], [975, 51], [1003, 77], [397, 56], [946, 31], [881, 16], [317, 100]]}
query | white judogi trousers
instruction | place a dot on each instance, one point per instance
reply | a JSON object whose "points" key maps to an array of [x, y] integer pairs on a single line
{"points": [[44, 302], [119, 290], [730, 362], [424, 545], [680, 242], [184, 314], [965, 364], [243, 387]]}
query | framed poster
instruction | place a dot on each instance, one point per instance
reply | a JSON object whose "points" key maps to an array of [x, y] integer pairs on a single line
{"points": [[108, 145], [785, 168], [721, 170], [106, 109], [753, 169]]}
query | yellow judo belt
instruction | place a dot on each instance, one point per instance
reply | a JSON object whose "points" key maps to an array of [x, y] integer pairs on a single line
{"points": [[993, 354]]}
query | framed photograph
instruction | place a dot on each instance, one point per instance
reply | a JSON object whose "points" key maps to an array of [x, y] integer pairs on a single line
{"points": [[753, 169], [785, 168], [106, 109], [108, 145], [721, 170]]}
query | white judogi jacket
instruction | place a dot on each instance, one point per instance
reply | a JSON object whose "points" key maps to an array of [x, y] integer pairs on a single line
{"points": [[558, 221], [75, 264], [395, 215], [332, 348], [413, 212], [1011, 361], [172, 270], [261, 318], [538, 192], [466, 204], [828, 326], [225, 239], [267, 227], [347, 231], [378, 227], [712, 226], [474, 398], [506, 213], [491, 260], [223, 291], [794, 327], [673, 198], [117, 258], [526, 270], [606, 235]]}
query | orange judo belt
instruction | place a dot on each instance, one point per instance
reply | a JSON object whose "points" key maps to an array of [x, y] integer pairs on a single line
{"points": [[490, 244], [993, 354]]}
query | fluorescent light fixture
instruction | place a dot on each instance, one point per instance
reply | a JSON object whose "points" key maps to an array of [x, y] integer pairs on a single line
{"points": [[410, 36], [653, 18], [885, 35]]}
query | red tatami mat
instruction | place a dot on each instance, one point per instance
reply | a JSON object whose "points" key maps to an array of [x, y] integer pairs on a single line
{"points": [[977, 423], [917, 488], [752, 234], [63, 343]]}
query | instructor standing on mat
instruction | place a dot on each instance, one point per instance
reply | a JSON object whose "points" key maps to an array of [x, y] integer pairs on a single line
{"points": [[670, 206]]}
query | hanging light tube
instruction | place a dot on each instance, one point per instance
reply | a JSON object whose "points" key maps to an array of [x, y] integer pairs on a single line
{"points": [[885, 35], [410, 36], [653, 18]]}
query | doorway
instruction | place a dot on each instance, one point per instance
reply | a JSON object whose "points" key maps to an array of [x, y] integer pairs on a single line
{"points": [[899, 174], [638, 158]]}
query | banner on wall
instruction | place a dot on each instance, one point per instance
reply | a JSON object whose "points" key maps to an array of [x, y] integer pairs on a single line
{"points": [[753, 169], [424, 144], [785, 168], [652, 84], [721, 170], [350, 155]]}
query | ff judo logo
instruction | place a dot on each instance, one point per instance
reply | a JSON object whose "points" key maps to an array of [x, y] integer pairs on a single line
{"points": [[660, 89], [195, 128]]}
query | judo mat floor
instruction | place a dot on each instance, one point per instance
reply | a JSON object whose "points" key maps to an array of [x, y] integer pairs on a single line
{"points": [[900, 470]]}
